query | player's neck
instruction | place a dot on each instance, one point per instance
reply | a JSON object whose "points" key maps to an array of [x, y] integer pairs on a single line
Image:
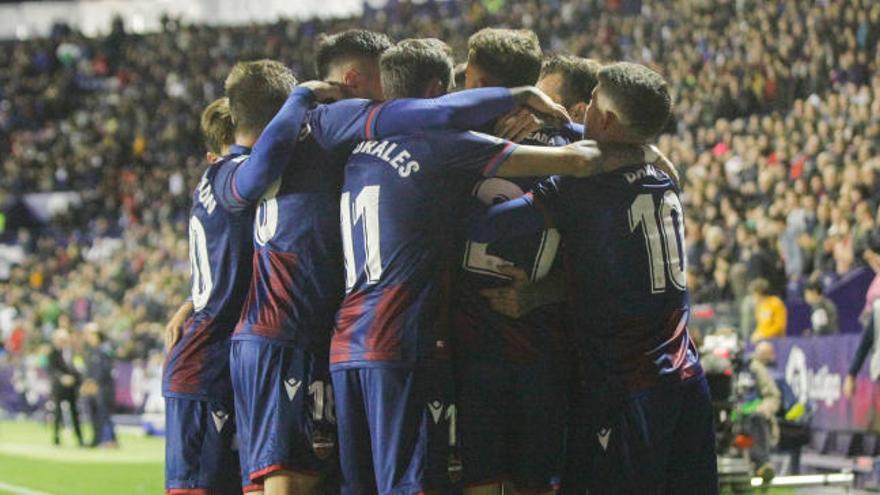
{"points": [[616, 136], [246, 139]]}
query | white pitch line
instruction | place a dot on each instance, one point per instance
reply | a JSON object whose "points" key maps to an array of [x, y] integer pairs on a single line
{"points": [[19, 490]]}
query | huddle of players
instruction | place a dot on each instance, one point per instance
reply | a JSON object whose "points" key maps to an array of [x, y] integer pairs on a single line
{"points": [[427, 389]]}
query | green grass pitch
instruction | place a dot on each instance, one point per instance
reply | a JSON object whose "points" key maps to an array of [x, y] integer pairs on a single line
{"points": [[30, 465]]}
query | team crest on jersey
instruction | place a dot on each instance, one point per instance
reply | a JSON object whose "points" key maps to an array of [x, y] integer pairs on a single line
{"points": [[323, 443]]}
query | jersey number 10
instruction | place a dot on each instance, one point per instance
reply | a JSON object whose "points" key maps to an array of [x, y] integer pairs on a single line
{"points": [[664, 244]]}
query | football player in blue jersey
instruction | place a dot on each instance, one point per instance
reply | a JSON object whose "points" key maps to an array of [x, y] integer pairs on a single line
{"points": [[351, 58], [389, 356], [569, 81], [647, 417], [219, 133], [196, 380], [279, 352], [511, 373], [218, 129]]}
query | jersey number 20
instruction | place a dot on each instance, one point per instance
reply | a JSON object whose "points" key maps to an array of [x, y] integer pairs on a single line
{"points": [[199, 264], [664, 244]]}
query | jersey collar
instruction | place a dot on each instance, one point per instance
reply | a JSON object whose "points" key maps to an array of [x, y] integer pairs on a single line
{"points": [[237, 149]]}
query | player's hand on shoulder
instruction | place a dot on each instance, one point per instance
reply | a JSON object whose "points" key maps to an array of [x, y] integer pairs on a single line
{"points": [[655, 156], [328, 91], [548, 111], [508, 300], [590, 158], [517, 125]]}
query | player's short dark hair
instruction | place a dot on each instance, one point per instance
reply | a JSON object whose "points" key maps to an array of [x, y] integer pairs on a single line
{"points": [[579, 77], [513, 56], [217, 127], [640, 95], [349, 43], [815, 285], [409, 66], [256, 91]]}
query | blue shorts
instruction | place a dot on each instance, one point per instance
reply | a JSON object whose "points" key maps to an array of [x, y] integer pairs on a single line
{"points": [[284, 404], [396, 430], [512, 423], [199, 448], [661, 442]]}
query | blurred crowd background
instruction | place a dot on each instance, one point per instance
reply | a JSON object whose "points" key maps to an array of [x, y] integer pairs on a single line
{"points": [[776, 132]]}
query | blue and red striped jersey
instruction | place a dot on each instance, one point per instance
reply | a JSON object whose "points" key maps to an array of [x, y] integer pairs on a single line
{"points": [[296, 283], [399, 206], [478, 331], [623, 247], [220, 251]]}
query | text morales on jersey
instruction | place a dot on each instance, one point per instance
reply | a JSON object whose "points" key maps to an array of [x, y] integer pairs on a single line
{"points": [[383, 150]]}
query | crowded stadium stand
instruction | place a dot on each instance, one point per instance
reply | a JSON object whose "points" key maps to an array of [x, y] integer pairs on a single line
{"points": [[776, 132]]}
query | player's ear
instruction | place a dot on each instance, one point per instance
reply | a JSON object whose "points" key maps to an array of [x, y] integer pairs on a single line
{"points": [[434, 88], [578, 111], [351, 78], [211, 157], [609, 119]]}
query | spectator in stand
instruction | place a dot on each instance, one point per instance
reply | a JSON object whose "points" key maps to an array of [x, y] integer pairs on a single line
{"points": [[761, 397], [770, 312], [65, 384], [823, 312], [718, 289]]}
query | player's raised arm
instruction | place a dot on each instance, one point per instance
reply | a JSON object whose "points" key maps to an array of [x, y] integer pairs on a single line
{"points": [[272, 150], [346, 122], [464, 110]]}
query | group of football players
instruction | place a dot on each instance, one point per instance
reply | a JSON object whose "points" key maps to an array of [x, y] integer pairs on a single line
{"points": [[389, 297]]}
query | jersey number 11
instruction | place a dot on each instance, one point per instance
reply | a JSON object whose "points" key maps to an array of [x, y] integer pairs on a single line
{"points": [[366, 210]]}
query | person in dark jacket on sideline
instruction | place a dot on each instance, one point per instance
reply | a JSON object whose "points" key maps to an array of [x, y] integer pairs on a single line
{"points": [[98, 389], [65, 382]]}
